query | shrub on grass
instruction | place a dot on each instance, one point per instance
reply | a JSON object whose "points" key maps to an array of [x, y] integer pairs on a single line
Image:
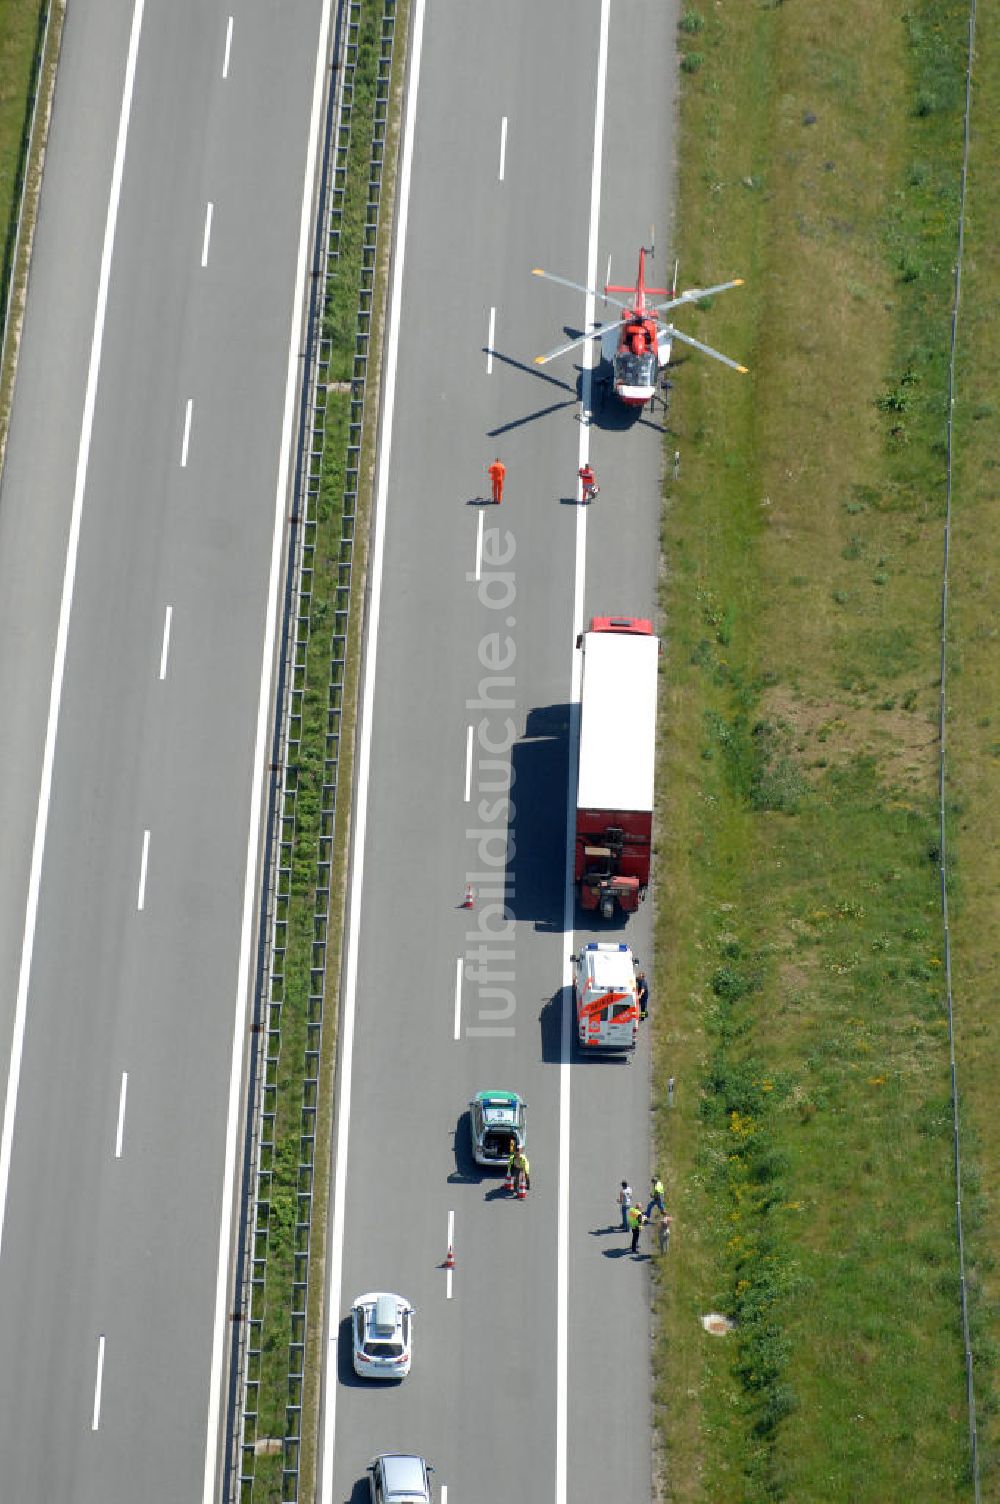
{"points": [[776, 782], [734, 1086], [761, 1274], [733, 739], [692, 22], [779, 1402], [897, 398], [730, 984], [759, 763]]}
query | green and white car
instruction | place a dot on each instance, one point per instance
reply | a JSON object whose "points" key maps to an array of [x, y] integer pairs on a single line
{"points": [[496, 1117]]}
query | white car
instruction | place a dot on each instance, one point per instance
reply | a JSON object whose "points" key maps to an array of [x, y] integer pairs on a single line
{"points": [[398, 1478], [382, 1328]]}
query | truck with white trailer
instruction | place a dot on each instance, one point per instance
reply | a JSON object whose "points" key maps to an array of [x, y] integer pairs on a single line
{"points": [[614, 799]]}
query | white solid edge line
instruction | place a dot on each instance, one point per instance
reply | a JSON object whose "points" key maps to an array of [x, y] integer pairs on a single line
{"points": [[503, 146], [569, 911], [143, 866], [479, 545], [489, 341], [165, 649], [330, 1380], [468, 757], [257, 784], [98, 1383], [62, 631], [120, 1135], [186, 440], [459, 969], [206, 238], [229, 44]]}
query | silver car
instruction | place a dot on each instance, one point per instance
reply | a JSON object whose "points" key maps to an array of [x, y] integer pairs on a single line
{"points": [[399, 1478], [497, 1123], [382, 1328]]}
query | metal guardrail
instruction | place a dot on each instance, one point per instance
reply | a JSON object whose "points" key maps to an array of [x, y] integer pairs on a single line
{"points": [[12, 243], [970, 1387], [270, 999]]}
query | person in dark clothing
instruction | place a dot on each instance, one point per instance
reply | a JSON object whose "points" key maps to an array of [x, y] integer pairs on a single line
{"points": [[642, 990]]}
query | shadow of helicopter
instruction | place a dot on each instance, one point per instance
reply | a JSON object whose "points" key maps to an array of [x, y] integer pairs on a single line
{"points": [[607, 413]]}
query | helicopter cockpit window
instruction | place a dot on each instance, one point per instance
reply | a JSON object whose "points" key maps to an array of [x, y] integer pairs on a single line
{"points": [[636, 370]]}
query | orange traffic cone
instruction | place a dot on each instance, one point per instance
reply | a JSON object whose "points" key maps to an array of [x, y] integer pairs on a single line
{"points": [[449, 1262], [469, 901], [508, 1184], [522, 1188]]}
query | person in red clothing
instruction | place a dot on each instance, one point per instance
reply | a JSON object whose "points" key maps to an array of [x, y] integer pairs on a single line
{"points": [[497, 472], [588, 482]]}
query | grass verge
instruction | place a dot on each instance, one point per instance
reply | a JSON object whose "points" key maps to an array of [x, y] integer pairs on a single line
{"points": [[974, 717], [799, 939]]}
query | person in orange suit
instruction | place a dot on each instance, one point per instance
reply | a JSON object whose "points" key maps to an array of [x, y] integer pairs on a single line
{"points": [[497, 472], [588, 483]]}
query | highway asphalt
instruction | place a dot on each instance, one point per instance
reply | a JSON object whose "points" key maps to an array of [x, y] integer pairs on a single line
{"points": [[486, 641], [115, 1196]]}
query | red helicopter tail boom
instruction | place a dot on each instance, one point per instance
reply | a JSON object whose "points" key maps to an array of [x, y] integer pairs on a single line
{"points": [[639, 288]]}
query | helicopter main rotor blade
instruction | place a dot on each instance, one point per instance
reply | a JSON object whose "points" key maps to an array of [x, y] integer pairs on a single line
{"points": [[694, 294], [536, 271], [598, 333], [705, 349]]}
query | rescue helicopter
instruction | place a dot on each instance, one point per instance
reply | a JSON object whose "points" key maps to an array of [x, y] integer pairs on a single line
{"points": [[638, 344]]}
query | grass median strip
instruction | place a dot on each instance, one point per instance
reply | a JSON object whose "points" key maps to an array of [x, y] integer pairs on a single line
{"points": [[799, 936], [24, 72], [20, 31], [339, 326], [18, 40]]}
